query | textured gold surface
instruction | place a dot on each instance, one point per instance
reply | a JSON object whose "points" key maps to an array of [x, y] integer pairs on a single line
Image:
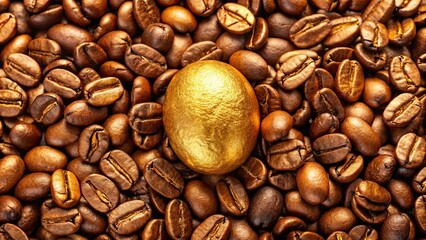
{"points": [[211, 116]]}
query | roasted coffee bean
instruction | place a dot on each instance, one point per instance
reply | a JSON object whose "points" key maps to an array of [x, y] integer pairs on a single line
{"points": [[156, 31], [141, 90], [236, 18], [7, 149], [106, 24], [420, 213], [88, 75], [418, 182], [118, 129], [401, 110], [232, 196], [326, 101], [268, 97], [374, 35], [80, 113], [163, 178], [25, 136], [292, 7], [178, 219], [11, 231], [331, 148], [377, 93], [81, 168], [145, 61], [94, 222], [363, 232], [241, 229], [404, 74], [312, 182], [47, 108], [276, 125], [155, 229], [253, 173], [411, 150], [65, 188], [279, 24], [18, 44], [401, 31], [33, 186], [378, 10], [145, 13], [146, 117], [47, 18], [369, 201], [365, 141], [337, 219], [37, 6], [115, 44], [147, 141], [396, 225], [29, 217], [302, 30], [103, 92], [179, 18], [206, 50], [203, 9], [347, 171], [100, 192], [208, 29], [125, 19], [22, 69], [68, 36], [250, 64], [259, 35], [120, 168], [333, 57], [294, 71], [64, 83], [296, 206], [369, 59], [11, 209], [8, 26], [287, 224], [290, 54], [323, 124], [12, 170], [401, 192], [265, 207], [287, 155], [93, 143], [201, 198], [89, 54], [215, 227], [285, 181], [344, 30], [63, 64], [180, 43], [13, 98], [74, 13], [94, 9], [45, 159], [130, 216], [321, 78], [349, 81], [62, 222], [380, 169], [160, 84]]}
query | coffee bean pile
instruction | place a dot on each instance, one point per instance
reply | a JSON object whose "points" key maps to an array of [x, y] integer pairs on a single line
{"points": [[342, 94]]}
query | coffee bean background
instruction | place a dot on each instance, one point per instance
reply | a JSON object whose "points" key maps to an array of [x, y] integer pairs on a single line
{"points": [[341, 88]]}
